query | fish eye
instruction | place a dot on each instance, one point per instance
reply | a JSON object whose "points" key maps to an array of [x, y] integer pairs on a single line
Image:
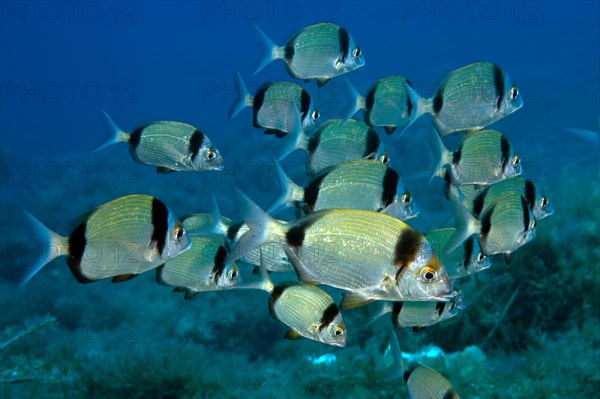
{"points": [[356, 52], [513, 93], [315, 115], [210, 154], [428, 274], [406, 198], [385, 158], [544, 201], [338, 331], [516, 160], [481, 257], [233, 273], [533, 224], [178, 233]]}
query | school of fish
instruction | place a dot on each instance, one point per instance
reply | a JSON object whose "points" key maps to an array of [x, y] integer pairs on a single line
{"points": [[351, 229]]}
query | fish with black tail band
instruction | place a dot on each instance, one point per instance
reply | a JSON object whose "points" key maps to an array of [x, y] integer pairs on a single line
{"points": [[421, 314], [279, 107], [308, 310], [479, 203], [369, 254], [316, 52], [336, 141], [390, 103], [506, 225], [464, 260], [170, 146], [119, 239], [201, 268], [423, 382], [362, 184], [481, 158], [473, 97]]}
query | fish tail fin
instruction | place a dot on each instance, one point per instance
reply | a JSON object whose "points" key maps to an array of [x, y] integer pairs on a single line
{"points": [[290, 190], [53, 246], [397, 371], [118, 135], [244, 98], [295, 139], [425, 105], [271, 51], [262, 227], [217, 226], [358, 103], [436, 146], [466, 223]]}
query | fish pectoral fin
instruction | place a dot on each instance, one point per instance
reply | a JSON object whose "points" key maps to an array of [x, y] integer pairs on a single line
{"points": [[322, 81], [292, 335], [418, 328], [351, 300], [151, 252], [123, 277], [164, 170]]}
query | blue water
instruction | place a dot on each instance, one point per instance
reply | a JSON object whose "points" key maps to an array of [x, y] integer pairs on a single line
{"points": [[63, 63]]}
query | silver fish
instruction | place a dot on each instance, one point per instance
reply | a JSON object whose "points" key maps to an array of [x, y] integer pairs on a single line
{"points": [[200, 269], [370, 254], [506, 225], [119, 239], [336, 141], [473, 97], [481, 158], [390, 103], [421, 314], [316, 52], [362, 184], [280, 107], [168, 145], [465, 260], [538, 203]]}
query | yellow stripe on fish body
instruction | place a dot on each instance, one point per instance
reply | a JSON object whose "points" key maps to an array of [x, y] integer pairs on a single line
{"points": [[202, 268], [483, 158], [473, 97], [309, 312]]}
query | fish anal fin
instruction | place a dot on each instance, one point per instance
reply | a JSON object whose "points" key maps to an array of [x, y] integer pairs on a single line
{"points": [[351, 300], [164, 170], [292, 335], [322, 81], [123, 277], [390, 129]]}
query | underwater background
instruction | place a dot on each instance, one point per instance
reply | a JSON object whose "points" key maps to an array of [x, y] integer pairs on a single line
{"points": [[530, 330]]}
